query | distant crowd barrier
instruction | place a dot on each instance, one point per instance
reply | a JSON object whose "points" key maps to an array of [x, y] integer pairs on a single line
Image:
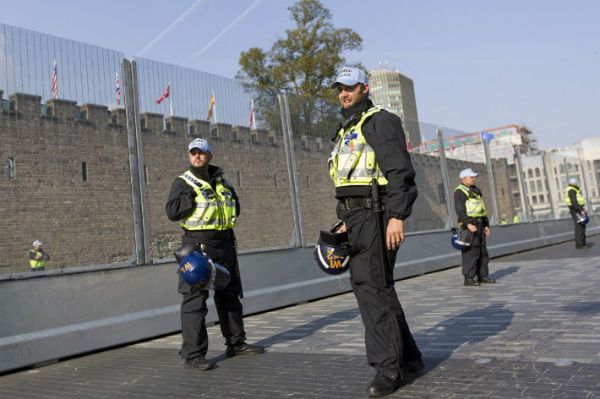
{"points": [[70, 312]]}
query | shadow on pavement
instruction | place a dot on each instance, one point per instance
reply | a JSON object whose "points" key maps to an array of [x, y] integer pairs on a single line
{"points": [[497, 275], [466, 328], [583, 307]]}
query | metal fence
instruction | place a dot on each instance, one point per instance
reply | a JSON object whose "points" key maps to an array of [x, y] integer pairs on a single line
{"points": [[91, 142]]}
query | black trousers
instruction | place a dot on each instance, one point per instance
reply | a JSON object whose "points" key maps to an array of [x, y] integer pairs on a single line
{"points": [[579, 230], [388, 340], [227, 302], [475, 259]]}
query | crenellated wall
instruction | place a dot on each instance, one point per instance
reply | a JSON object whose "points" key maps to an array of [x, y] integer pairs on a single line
{"points": [[72, 190]]}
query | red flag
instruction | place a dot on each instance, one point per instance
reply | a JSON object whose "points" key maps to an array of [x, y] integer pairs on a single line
{"points": [[252, 119], [118, 90], [164, 95], [54, 81]]}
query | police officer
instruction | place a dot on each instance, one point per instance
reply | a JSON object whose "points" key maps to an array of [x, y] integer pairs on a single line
{"points": [[371, 144], [37, 257], [576, 204], [472, 215], [207, 207]]}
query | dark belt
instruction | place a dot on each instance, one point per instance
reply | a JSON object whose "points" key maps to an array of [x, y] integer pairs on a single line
{"points": [[352, 202]]}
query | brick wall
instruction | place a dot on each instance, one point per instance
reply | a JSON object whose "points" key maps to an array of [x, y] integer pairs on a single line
{"points": [[72, 187]]}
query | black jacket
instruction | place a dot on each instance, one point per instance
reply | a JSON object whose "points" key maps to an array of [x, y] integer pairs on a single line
{"points": [[460, 206], [574, 205], [180, 203], [383, 132]]}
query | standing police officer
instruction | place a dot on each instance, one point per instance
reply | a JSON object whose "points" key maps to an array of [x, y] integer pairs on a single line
{"points": [[576, 204], [207, 207], [472, 215], [371, 144]]}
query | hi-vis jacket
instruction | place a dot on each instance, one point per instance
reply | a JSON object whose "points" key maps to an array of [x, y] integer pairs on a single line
{"points": [[352, 161], [39, 263], [215, 208], [578, 196], [474, 205]]}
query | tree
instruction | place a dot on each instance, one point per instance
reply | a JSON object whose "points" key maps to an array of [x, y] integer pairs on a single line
{"points": [[301, 64]]}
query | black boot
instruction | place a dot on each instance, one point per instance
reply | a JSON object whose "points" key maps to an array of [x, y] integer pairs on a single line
{"points": [[486, 280], [382, 385], [199, 363], [470, 282], [243, 349]]}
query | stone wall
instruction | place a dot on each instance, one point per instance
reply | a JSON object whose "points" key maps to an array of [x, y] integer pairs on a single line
{"points": [[72, 188]]}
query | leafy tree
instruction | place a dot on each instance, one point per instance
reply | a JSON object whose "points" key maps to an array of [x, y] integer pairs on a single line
{"points": [[301, 64]]}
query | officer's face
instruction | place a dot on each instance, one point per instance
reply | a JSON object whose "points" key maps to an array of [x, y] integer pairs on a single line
{"points": [[350, 95], [468, 181], [199, 159]]}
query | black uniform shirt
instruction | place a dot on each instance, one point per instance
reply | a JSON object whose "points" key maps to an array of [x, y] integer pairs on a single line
{"points": [[460, 206], [383, 132], [180, 203]]}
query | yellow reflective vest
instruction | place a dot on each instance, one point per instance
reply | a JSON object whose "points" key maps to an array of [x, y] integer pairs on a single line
{"points": [[474, 204], [352, 161], [39, 263], [580, 199], [215, 208]]}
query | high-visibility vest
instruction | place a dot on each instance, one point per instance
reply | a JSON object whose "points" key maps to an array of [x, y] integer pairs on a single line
{"points": [[39, 263], [352, 161], [580, 199], [215, 208], [474, 204]]}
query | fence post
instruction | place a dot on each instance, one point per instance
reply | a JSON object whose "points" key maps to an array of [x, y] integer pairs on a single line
{"points": [[491, 184], [445, 180], [139, 190], [522, 185], [297, 239]]}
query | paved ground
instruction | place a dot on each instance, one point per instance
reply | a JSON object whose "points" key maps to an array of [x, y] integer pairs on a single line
{"points": [[534, 334]]}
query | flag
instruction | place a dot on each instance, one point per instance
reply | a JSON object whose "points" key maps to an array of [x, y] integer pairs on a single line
{"points": [[118, 93], [211, 106], [54, 81], [252, 118], [165, 94]]}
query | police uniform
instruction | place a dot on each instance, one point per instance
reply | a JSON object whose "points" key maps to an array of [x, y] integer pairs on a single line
{"points": [[37, 258], [575, 201], [207, 207], [470, 209], [371, 144]]}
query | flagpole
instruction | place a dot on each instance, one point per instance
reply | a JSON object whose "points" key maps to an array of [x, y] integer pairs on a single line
{"points": [[170, 99], [215, 106]]}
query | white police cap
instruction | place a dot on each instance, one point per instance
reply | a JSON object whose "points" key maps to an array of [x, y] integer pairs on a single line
{"points": [[468, 173], [200, 144], [349, 76]]}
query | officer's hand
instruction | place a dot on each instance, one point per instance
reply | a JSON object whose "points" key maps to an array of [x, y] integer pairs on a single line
{"points": [[395, 233], [487, 231], [472, 228]]}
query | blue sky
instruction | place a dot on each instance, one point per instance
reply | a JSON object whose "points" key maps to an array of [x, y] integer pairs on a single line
{"points": [[475, 64]]}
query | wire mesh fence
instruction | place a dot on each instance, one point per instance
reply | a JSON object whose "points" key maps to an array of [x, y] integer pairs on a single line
{"points": [[67, 145]]}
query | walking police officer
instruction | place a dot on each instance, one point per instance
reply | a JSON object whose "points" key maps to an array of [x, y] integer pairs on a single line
{"points": [[207, 207], [371, 144], [472, 215], [576, 204]]}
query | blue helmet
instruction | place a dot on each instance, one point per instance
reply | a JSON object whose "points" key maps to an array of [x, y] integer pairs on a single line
{"points": [[461, 240], [200, 272], [583, 218], [332, 251]]}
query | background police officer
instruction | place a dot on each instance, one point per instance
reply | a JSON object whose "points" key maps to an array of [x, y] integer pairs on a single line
{"points": [[472, 215], [37, 257], [371, 144], [207, 207], [576, 204]]}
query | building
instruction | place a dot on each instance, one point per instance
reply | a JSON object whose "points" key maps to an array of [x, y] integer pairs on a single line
{"points": [[396, 93]]}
